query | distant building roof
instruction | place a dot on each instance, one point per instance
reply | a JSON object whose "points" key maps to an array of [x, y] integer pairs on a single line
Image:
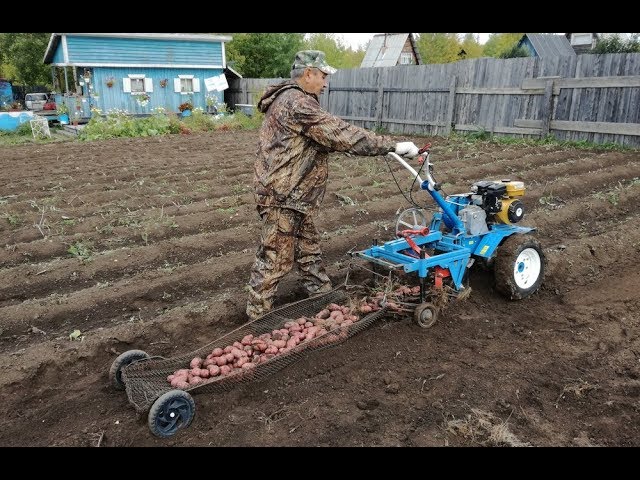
{"points": [[549, 45], [384, 49]]}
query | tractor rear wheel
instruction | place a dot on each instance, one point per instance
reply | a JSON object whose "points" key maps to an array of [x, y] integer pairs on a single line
{"points": [[519, 266]]}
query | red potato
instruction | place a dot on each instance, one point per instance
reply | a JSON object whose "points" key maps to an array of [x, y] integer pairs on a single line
{"points": [[295, 328], [366, 309], [308, 324], [292, 342], [271, 350], [335, 313], [237, 345], [229, 356], [248, 349], [220, 361], [196, 362], [323, 313], [346, 310], [248, 366], [237, 353], [334, 306], [347, 322], [170, 377], [204, 372], [227, 349], [225, 369], [279, 343], [289, 324], [247, 339], [182, 385], [241, 361], [195, 380], [214, 370], [208, 361], [217, 352]]}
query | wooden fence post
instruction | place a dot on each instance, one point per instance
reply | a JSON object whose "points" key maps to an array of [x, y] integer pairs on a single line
{"points": [[379, 105], [245, 93], [450, 107], [547, 108]]}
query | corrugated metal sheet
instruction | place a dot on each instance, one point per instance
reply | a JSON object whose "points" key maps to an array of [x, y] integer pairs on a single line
{"points": [[137, 49], [384, 50], [547, 45], [96, 50]]}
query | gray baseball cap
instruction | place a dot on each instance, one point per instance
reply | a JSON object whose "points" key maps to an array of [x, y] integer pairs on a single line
{"points": [[313, 58]]}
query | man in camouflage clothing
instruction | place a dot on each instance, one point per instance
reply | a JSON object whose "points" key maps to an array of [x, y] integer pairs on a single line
{"points": [[290, 176]]}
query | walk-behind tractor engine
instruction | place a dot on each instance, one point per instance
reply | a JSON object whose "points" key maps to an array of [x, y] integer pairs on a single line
{"points": [[478, 225]]}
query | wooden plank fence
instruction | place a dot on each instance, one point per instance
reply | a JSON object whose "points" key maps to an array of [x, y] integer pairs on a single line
{"points": [[594, 98]]}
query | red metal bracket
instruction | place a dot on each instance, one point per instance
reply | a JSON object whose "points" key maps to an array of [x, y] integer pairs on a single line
{"points": [[440, 273]]}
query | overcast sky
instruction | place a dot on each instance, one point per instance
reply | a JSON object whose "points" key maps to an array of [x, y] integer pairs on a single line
{"points": [[355, 40]]}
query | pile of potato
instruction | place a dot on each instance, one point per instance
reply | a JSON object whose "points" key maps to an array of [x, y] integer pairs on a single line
{"points": [[402, 293], [243, 356]]}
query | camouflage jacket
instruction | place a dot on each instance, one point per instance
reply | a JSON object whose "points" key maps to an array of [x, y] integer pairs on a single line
{"points": [[296, 137]]}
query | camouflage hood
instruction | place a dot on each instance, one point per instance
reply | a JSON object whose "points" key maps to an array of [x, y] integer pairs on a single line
{"points": [[272, 92]]}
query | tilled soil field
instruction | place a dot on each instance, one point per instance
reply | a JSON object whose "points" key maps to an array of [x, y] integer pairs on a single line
{"points": [[147, 244]]}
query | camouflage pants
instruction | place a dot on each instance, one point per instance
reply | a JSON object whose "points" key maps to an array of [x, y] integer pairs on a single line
{"points": [[287, 237]]}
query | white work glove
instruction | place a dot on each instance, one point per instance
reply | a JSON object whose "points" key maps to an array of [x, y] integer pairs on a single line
{"points": [[406, 149]]}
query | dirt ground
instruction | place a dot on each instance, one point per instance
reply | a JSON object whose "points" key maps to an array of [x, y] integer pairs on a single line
{"points": [[147, 244]]}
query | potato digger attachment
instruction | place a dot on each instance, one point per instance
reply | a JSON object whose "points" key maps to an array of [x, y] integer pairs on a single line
{"points": [[464, 229], [163, 387]]}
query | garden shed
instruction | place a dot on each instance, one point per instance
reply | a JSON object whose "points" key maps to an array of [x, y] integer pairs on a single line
{"points": [[137, 72]]}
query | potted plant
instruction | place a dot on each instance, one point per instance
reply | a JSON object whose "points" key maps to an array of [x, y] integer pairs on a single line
{"points": [[63, 112], [185, 108], [142, 98], [212, 104]]}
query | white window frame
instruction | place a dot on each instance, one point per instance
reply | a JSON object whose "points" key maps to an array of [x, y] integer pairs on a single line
{"points": [[406, 58], [147, 83]]}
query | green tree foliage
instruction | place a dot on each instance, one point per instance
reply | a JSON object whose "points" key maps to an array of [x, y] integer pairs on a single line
{"points": [[616, 44], [22, 53], [471, 46], [264, 55], [338, 54], [515, 52], [438, 47], [499, 43]]}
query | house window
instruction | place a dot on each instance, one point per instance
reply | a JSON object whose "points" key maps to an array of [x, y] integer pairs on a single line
{"points": [[186, 84], [137, 83], [406, 58]]}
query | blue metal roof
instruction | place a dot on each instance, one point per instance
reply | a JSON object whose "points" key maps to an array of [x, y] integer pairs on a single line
{"points": [[549, 45]]}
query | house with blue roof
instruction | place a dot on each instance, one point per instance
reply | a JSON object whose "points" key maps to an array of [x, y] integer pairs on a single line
{"points": [[546, 45], [137, 72]]}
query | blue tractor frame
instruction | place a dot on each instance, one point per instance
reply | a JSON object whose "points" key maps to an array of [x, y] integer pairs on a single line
{"points": [[453, 246]]}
